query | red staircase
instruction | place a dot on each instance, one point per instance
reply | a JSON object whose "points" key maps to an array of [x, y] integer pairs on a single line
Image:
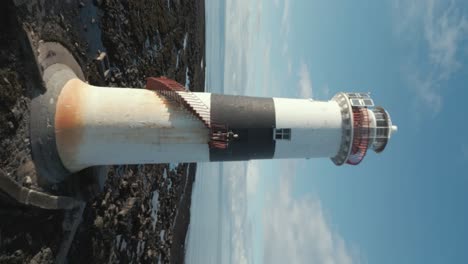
{"points": [[177, 93]]}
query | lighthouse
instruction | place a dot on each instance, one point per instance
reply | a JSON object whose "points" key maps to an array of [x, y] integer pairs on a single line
{"points": [[76, 125]]}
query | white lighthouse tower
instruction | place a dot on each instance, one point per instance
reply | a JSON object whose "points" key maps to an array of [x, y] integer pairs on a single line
{"points": [[77, 125]]}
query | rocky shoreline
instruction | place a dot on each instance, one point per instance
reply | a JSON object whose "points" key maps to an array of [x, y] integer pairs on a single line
{"points": [[141, 217], [143, 213]]}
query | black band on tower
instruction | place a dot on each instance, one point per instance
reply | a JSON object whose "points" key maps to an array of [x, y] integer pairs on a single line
{"points": [[252, 119]]}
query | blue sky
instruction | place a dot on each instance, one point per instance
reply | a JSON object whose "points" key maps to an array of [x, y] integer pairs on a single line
{"points": [[406, 205]]}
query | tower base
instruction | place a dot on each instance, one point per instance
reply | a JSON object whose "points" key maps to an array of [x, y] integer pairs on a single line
{"points": [[57, 66]]}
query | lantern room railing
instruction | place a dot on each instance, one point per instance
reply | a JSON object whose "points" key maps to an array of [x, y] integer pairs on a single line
{"points": [[361, 136]]}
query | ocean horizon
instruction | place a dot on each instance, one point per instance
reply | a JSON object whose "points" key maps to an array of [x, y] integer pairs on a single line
{"points": [[207, 238]]}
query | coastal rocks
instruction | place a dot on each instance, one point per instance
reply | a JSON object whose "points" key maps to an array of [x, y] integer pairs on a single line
{"points": [[119, 225], [124, 223]]}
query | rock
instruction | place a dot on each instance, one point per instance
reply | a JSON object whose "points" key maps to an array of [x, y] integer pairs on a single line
{"points": [[27, 181], [44, 256], [10, 125], [99, 222], [97, 2]]}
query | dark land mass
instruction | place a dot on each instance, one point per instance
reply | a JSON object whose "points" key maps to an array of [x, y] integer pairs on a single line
{"points": [[142, 38]]}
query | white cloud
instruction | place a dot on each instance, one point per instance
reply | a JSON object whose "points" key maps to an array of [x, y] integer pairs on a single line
{"points": [[443, 28], [285, 24], [289, 66], [296, 231], [246, 41], [285, 28], [285, 49], [242, 24], [236, 186], [265, 85], [276, 2], [305, 83], [253, 176], [426, 89]]}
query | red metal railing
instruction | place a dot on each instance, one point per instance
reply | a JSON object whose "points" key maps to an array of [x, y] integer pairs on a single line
{"points": [[177, 93], [219, 136], [361, 135]]}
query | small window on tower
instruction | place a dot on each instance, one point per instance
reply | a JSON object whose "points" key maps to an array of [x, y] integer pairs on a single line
{"points": [[283, 133], [368, 102], [356, 102], [287, 134]]}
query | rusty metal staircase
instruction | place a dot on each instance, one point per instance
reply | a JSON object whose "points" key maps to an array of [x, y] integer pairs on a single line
{"points": [[177, 93]]}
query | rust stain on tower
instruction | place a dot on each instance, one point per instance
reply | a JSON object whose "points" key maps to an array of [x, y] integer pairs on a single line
{"points": [[69, 126]]}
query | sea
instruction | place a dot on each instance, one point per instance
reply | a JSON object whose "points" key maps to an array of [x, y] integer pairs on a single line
{"points": [[208, 237]]}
